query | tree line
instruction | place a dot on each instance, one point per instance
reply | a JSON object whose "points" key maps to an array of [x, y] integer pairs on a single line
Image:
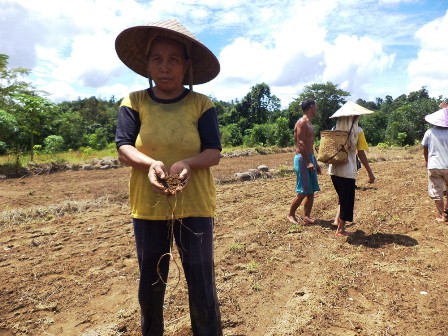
{"points": [[30, 122]]}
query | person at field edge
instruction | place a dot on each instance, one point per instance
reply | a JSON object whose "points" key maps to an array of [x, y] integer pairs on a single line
{"points": [[305, 164], [435, 151], [163, 130], [343, 175]]}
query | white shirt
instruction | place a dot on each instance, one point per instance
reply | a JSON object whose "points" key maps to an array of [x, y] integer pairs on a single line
{"points": [[436, 139]]}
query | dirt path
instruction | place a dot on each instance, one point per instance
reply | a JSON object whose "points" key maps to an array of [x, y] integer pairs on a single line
{"points": [[68, 266]]}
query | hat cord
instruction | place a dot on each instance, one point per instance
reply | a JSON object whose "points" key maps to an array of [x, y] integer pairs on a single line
{"points": [[190, 70], [148, 47]]}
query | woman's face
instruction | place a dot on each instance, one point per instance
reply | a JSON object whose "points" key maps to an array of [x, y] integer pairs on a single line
{"points": [[167, 67]]}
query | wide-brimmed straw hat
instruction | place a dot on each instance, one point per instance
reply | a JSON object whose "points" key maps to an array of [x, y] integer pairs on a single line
{"points": [[351, 109], [132, 46], [438, 118]]}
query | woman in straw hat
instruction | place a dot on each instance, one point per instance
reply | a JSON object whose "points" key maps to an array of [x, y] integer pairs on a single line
{"points": [[435, 151], [162, 131], [344, 175]]}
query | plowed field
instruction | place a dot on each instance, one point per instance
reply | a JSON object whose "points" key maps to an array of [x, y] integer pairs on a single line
{"points": [[68, 263]]}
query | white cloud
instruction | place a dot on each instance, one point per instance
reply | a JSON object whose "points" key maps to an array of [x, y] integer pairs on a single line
{"points": [[284, 43], [285, 56], [353, 61], [430, 69], [295, 55]]}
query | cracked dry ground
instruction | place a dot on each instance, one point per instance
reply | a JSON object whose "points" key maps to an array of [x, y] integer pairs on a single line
{"points": [[68, 264]]}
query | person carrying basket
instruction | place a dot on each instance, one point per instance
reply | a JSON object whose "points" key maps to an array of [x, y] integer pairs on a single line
{"points": [[343, 175]]}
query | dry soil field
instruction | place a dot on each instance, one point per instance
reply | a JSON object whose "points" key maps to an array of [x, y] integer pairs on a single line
{"points": [[68, 265]]}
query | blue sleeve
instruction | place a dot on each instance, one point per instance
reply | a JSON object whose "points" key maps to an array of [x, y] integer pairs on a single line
{"points": [[209, 130], [128, 127]]}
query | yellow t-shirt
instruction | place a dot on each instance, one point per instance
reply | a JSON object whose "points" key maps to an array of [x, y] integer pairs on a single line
{"points": [[362, 142], [169, 133]]}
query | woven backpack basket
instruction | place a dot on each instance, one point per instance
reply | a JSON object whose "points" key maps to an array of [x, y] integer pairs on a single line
{"points": [[333, 147]]}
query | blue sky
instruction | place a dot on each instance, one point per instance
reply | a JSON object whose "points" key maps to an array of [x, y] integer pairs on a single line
{"points": [[369, 48]]}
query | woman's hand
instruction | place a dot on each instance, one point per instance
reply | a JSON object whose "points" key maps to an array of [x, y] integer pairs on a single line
{"points": [[184, 170], [157, 172]]}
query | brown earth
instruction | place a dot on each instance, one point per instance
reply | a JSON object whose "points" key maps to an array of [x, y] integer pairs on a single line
{"points": [[68, 265]]}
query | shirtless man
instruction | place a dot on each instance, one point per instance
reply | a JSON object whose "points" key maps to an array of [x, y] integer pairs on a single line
{"points": [[305, 164]]}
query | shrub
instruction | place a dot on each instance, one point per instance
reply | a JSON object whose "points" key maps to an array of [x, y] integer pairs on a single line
{"points": [[98, 140], [231, 136], [54, 144], [86, 151], [3, 148], [260, 135]]}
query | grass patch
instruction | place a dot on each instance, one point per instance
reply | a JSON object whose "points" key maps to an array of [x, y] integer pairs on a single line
{"points": [[72, 156], [10, 218], [237, 248], [252, 266]]}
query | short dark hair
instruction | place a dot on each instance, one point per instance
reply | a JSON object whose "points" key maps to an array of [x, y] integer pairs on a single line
{"points": [[307, 103]]}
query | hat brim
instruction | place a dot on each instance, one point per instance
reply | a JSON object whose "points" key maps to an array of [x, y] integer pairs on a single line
{"points": [[438, 118], [131, 45], [351, 109]]}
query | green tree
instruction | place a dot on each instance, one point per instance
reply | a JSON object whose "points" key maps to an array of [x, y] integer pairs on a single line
{"points": [[11, 83], [94, 113], [8, 125], [98, 140], [370, 105], [54, 144], [70, 125], [374, 126], [418, 95], [223, 110], [24, 113], [283, 134], [293, 113], [329, 99], [231, 135], [33, 114], [257, 105], [260, 135], [408, 118]]}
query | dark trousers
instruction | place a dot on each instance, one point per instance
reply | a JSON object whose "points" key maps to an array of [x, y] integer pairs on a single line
{"points": [[194, 239], [345, 188]]}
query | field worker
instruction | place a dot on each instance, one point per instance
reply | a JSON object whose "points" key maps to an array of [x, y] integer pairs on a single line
{"points": [[435, 151], [343, 175], [305, 164], [164, 130]]}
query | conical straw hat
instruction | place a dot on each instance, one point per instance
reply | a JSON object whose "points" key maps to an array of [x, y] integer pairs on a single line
{"points": [[350, 109], [132, 46]]}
